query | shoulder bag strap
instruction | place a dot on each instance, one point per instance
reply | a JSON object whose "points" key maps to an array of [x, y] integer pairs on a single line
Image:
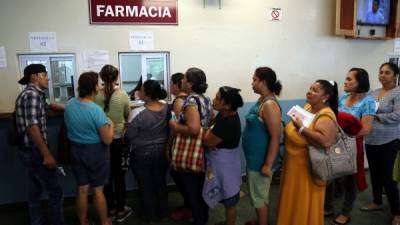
{"points": [[330, 117]]}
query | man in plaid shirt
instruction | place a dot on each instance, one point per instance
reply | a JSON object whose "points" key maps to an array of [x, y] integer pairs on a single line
{"points": [[34, 152]]}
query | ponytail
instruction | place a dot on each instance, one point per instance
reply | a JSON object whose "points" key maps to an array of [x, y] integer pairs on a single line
{"points": [[109, 74], [331, 89], [269, 75]]}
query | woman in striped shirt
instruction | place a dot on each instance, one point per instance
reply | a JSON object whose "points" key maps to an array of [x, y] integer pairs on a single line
{"points": [[383, 142]]}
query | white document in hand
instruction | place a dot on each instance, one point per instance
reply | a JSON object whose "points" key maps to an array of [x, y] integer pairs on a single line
{"points": [[298, 112]]}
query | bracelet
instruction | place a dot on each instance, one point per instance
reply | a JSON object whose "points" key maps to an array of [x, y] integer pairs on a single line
{"points": [[301, 129]]}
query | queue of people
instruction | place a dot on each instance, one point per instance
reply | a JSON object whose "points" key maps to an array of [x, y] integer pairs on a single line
{"points": [[199, 139]]}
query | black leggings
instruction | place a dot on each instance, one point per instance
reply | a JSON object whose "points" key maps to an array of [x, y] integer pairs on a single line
{"points": [[381, 160], [115, 190]]}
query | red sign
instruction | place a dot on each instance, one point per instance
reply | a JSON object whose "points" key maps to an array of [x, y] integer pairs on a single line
{"points": [[133, 11]]}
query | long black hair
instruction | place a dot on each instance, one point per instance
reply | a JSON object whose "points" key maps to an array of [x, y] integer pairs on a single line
{"points": [[331, 89], [108, 74]]}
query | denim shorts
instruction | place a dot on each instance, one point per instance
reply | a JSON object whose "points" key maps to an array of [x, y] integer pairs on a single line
{"points": [[90, 163], [232, 201]]}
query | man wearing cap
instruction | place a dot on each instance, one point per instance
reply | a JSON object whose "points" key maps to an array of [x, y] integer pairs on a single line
{"points": [[34, 153]]}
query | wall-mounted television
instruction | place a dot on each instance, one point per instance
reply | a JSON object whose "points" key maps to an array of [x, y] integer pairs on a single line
{"points": [[373, 12]]}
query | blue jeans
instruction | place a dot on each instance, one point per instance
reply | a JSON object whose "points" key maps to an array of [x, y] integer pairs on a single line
{"points": [[149, 166], [39, 178]]}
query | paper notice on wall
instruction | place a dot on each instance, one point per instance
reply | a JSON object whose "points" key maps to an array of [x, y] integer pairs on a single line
{"points": [[396, 47], [141, 41], [95, 59], [3, 58], [43, 41]]}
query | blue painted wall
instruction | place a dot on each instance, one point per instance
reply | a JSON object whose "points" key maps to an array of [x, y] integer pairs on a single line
{"points": [[13, 185]]}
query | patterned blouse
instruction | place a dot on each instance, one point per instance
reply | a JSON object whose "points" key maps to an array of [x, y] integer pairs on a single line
{"points": [[386, 125], [206, 108]]}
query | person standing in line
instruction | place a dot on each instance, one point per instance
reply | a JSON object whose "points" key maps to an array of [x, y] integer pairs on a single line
{"points": [[301, 197], [90, 132], [357, 103], [260, 140], [223, 158], [184, 212], [196, 114], [382, 143], [115, 103], [146, 132], [34, 152]]}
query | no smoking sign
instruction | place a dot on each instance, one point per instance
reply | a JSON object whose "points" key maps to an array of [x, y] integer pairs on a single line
{"points": [[275, 14]]}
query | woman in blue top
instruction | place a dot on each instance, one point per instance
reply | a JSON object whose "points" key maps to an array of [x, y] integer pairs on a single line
{"points": [[357, 103], [260, 140], [90, 132]]}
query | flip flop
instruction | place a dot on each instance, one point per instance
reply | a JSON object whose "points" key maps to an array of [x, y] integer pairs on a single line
{"points": [[334, 222], [369, 209]]}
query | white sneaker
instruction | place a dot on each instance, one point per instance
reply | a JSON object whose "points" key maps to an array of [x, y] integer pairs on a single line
{"points": [[121, 216]]}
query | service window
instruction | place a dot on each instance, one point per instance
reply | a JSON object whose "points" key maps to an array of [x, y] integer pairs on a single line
{"points": [[145, 65], [61, 71]]}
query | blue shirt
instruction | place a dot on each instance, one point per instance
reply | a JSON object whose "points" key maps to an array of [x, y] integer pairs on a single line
{"points": [[83, 120], [364, 107], [255, 139]]}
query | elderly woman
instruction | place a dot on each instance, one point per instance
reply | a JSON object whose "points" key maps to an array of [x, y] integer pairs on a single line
{"points": [[183, 212], [196, 114], [382, 144], [90, 132], [308, 207]]}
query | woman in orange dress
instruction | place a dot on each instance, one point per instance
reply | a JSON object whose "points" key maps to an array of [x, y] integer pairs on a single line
{"points": [[301, 200]]}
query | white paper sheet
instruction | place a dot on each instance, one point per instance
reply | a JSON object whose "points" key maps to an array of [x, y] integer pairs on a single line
{"points": [[298, 112], [43, 41], [3, 58], [95, 59], [141, 41]]}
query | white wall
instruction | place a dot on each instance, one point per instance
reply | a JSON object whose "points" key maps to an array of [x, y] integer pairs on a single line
{"points": [[227, 44]]}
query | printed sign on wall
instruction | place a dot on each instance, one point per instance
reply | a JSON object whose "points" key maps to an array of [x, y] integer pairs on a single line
{"points": [[133, 12], [275, 14], [141, 41], [43, 41]]}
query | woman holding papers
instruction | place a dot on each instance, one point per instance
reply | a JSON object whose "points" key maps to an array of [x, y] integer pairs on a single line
{"points": [[301, 199], [357, 103], [260, 140], [382, 144]]}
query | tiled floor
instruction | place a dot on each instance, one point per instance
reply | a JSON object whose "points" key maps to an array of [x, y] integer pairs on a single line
{"points": [[17, 214]]}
